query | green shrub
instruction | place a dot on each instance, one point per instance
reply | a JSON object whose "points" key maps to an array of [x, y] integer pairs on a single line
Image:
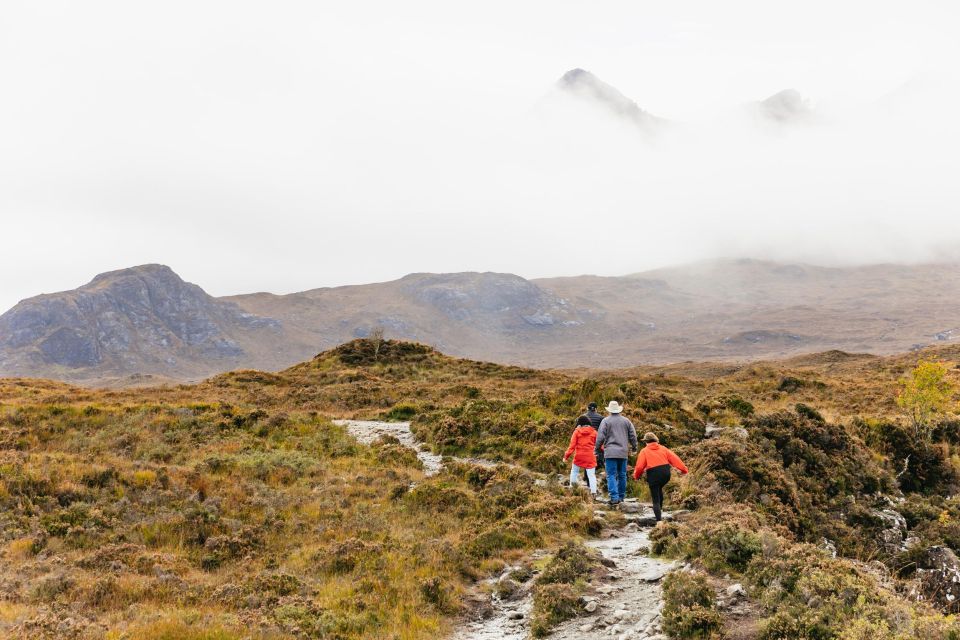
{"points": [[401, 413], [795, 624], [497, 539], [808, 412], [438, 593], [556, 594], [571, 563], [920, 467], [689, 610], [739, 406], [553, 604], [440, 495], [789, 384], [726, 546]]}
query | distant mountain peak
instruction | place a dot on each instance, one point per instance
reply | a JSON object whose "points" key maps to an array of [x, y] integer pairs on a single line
{"points": [[148, 270], [140, 319], [788, 105], [587, 86]]}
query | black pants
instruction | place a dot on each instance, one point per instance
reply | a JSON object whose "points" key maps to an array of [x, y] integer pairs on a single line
{"points": [[657, 478]]}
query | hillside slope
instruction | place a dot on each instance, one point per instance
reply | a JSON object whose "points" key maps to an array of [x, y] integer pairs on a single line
{"points": [[234, 508]]}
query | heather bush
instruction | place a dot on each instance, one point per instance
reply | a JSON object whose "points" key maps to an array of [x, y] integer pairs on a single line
{"points": [[689, 610]]}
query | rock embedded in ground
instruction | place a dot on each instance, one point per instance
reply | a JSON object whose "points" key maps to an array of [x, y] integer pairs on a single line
{"points": [[655, 575], [736, 591], [893, 534], [938, 579]]}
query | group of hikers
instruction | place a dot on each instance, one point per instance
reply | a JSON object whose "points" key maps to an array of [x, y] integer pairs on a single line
{"points": [[608, 441]]}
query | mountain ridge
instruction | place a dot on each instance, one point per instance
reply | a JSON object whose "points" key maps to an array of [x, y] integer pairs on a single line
{"points": [[147, 321]]}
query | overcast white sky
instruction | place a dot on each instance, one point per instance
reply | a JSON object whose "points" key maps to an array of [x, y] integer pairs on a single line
{"points": [[289, 145]]}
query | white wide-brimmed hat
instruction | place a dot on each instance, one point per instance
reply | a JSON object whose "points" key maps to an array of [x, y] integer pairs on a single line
{"points": [[614, 407]]}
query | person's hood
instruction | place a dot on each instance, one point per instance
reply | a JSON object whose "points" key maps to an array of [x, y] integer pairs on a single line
{"points": [[653, 445], [586, 426]]}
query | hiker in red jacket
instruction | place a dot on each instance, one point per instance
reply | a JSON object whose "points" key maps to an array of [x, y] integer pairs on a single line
{"points": [[656, 461], [581, 448]]}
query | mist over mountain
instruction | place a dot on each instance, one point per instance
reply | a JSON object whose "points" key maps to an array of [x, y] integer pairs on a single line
{"points": [[587, 87], [147, 321], [787, 106]]}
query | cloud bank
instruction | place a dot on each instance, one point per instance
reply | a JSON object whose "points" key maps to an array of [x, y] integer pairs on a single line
{"points": [[303, 144]]}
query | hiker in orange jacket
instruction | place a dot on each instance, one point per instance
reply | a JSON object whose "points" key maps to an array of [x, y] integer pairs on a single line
{"points": [[656, 461], [581, 448]]}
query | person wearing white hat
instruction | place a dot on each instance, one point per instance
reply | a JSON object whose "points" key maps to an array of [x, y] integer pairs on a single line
{"points": [[616, 438]]}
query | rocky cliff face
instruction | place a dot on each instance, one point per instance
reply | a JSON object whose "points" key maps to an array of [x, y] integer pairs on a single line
{"points": [[139, 320], [513, 303]]}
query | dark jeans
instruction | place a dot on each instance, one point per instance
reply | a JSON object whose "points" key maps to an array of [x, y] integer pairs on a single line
{"points": [[616, 478], [657, 478]]}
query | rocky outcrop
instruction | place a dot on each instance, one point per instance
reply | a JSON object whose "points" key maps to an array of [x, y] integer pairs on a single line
{"points": [[893, 534], [713, 430], [938, 579], [505, 300]]}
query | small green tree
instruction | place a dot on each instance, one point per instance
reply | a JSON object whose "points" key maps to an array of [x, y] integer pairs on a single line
{"points": [[924, 395]]}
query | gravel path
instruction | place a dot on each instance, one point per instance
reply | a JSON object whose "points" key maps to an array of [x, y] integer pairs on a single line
{"points": [[368, 431], [628, 604]]}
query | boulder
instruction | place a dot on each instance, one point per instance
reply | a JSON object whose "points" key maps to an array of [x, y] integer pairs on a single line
{"points": [[892, 536], [713, 430], [736, 591], [631, 505], [938, 579], [829, 547]]}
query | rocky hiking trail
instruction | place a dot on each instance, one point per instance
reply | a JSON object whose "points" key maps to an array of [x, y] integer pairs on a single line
{"points": [[627, 604]]}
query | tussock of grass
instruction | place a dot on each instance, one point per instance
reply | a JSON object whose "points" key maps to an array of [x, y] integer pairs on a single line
{"points": [[689, 610], [556, 594]]}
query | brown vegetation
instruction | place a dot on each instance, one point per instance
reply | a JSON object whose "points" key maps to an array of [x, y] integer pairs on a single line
{"points": [[234, 509]]}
